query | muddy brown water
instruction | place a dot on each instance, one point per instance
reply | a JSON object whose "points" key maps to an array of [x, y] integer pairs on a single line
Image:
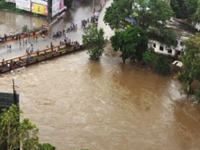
{"points": [[79, 103], [106, 105]]}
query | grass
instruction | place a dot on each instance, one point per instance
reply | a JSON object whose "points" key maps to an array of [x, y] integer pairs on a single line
{"points": [[11, 7]]}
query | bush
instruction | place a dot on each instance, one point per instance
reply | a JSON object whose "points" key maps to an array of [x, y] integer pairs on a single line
{"points": [[25, 28], [197, 95], [162, 65], [94, 41], [148, 56], [11, 7]]}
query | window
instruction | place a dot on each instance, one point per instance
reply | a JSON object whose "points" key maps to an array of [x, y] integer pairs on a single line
{"points": [[161, 48], [182, 43], [169, 51], [154, 45]]}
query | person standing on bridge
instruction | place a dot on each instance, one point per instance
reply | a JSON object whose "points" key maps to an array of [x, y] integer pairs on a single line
{"points": [[66, 35]]}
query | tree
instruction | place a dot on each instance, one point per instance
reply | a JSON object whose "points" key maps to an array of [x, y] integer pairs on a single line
{"points": [[163, 35], [131, 42], [15, 134], [179, 8], [197, 95], [68, 3], [93, 40], [25, 28], [191, 62], [162, 65], [147, 13], [153, 13], [187, 9], [151, 16], [118, 10], [149, 56]]}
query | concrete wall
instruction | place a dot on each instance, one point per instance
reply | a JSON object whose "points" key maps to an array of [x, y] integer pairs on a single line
{"points": [[163, 49]]}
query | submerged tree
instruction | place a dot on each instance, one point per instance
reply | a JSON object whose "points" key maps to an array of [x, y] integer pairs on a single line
{"points": [[191, 62], [162, 65], [94, 41], [131, 42], [15, 134], [150, 16]]}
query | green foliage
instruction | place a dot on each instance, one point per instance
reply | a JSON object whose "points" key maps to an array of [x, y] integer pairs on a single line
{"points": [[118, 10], [197, 95], [15, 134], [11, 7], [153, 13], [94, 41], [46, 146], [187, 9], [197, 13], [163, 35], [179, 8], [162, 65], [25, 28], [68, 3], [149, 56], [191, 62], [131, 42]]}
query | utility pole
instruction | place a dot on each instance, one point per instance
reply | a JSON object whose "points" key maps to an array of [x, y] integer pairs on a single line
{"points": [[14, 92]]}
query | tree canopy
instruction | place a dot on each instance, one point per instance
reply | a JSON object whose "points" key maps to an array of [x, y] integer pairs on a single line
{"points": [[191, 62], [147, 13], [131, 42], [15, 133], [187, 9], [150, 15], [94, 41]]}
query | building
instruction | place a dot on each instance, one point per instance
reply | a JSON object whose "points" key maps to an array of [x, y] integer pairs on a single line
{"points": [[182, 31], [11, 1], [49, 8]]}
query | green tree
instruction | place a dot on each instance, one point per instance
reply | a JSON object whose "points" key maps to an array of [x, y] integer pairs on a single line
{"points": [[151, 16], [153, 13], [15, 134], [163, 35], [162, 65], [197, 95], [93, 40], [25, 28], [191, 62], [131, 42], [187, 9], [149, 56], [118, 10], [147, 13], [68, 3], [179, 8]]}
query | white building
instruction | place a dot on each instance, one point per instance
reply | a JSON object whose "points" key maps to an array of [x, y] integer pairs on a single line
{"points": [[182, 32], [11, 1]]}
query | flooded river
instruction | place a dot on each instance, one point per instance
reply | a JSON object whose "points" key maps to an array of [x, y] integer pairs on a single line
{"points": [[107, 105]]}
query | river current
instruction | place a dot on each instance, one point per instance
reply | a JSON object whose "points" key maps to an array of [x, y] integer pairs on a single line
{"points": [[106, 105]]}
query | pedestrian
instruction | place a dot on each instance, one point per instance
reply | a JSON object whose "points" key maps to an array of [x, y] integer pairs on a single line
{"points": [[66, 35], [51, 44], [43, 36]]}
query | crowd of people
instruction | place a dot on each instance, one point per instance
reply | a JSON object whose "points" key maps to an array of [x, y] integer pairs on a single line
{"points": [[24, 39]]}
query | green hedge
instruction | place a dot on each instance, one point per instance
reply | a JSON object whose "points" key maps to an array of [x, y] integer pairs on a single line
{"points": [[11, 7]]}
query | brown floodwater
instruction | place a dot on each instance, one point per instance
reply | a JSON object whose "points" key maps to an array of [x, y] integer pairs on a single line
{"points": [[106, 105], [79, 103]]}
